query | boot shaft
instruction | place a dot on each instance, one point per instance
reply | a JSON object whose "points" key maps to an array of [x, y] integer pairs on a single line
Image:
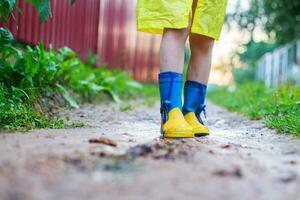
{"points": [[194, 97], [170, 88]]}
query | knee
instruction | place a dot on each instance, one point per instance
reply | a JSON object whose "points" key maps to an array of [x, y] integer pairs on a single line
{"points": [[201, 43], [178, 35]]}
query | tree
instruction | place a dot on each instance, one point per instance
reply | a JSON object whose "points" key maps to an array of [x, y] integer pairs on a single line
{"points": [[279, 19], [283, 19]]}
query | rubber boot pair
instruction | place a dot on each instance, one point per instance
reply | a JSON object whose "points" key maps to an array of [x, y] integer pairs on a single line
{"points": [[178, 121]]}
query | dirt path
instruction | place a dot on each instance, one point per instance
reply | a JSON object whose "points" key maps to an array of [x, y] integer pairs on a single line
{"points": [[241, 159]]}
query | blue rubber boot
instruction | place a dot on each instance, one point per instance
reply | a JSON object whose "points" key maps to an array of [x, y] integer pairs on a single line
{"points": [[173, 124], [194, 105]]}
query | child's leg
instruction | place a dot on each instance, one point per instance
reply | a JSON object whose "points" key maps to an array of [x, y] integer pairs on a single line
{"points": [[172, 49], [201, 53], [197, 78], [170, 83]]}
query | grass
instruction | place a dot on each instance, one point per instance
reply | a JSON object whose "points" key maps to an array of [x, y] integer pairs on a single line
{"points": [[35, 83], [17, 113], [278, 107]]}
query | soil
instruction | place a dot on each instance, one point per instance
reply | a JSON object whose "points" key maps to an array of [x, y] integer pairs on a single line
{"points": [[120, 155]]}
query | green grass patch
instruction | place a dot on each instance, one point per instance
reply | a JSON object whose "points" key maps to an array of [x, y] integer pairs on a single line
{"points": [[35, 83], [279, 107]]}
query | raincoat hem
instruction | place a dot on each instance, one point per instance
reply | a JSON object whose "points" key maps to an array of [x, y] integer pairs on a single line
{"points": [[158, 27], [196, 30]]}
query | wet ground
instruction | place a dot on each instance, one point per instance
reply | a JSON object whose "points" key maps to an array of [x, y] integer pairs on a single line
{"points": [[120, 155]]}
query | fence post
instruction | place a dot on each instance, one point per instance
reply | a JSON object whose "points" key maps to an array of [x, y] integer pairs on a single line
{"points": [[268, 71]]}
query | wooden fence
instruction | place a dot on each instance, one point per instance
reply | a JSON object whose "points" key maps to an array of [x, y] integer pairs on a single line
{"points": [[281, 66]]}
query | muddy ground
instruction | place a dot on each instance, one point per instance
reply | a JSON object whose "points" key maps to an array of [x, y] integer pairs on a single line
{"points": [[120, 155]]}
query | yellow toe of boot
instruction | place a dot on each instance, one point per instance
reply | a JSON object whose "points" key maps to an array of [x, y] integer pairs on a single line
{"points": [[176, 126], [198, 128]]}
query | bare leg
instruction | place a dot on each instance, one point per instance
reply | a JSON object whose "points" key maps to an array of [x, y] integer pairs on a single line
{"points": [[200, 63], [172, 49], [201, 52], [170, 80]]}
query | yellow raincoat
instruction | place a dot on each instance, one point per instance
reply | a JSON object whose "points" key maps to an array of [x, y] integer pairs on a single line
{"points": [[155, 15]]}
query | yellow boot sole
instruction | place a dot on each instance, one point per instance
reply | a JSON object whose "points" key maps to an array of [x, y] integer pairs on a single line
{"points": [[178, 134]]}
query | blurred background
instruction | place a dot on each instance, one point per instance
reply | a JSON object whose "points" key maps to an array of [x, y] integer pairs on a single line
{"points": [[260, 42]]}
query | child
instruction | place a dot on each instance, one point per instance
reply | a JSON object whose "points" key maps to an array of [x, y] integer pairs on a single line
{"points": [[176, 20]]}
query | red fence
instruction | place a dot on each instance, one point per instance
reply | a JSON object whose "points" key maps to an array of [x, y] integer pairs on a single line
{"points": [[120, 45], [103, 27]]}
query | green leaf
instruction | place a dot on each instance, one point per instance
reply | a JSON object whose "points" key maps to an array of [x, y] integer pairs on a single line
{"points": [[51, 69], [6, 36], [6, 9], [134, 84], [11, 4], [21, 91], [44, 10], [67, 52], [115, 96], [67, 96], [72, 1], [95, 87]]}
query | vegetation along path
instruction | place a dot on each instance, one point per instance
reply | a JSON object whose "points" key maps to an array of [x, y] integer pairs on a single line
{"points": [[120, 154]]}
